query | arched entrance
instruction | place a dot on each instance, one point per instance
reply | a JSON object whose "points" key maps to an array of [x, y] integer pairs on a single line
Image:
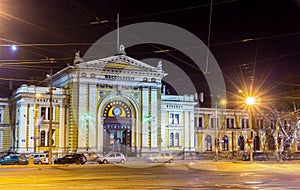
{"points": [[117, 127]]}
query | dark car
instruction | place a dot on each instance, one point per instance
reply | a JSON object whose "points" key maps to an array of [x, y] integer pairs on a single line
{"points": [[257, 156], [71, 158], [14, 159], [291, 156]]}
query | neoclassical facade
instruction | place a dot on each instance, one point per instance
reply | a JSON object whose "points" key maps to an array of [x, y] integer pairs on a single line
{"points": [[110, 104], [119, 104]]}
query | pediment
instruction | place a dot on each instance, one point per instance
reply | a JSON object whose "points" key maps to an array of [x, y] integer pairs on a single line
{"points": [[120, 62]]}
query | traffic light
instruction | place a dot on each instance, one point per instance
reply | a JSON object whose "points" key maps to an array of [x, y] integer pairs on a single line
{"points": [[217, 142]]}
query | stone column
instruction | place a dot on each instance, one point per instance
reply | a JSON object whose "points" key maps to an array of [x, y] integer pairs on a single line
{"points": [[61, 132], [154, 119], [145, 123], [82, 93], [22, 128], [187, 139], [31, 128], [192, 130], [163, 129], [92, 123]]}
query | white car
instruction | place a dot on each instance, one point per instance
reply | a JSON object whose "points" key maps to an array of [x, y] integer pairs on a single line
{"points": [[40, 158], [112, 157], [162, 158]]}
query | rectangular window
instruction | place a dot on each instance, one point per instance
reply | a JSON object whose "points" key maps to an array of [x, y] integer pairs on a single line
{"points": [[200, 122], [227, 123], [45, 111], [243, 123], [231, 123], [212, 122], [260, 124], [195, 122], [174, 119]]}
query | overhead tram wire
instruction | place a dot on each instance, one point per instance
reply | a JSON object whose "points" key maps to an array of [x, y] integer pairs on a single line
{"points": [[28, 45], [208, 37], [177, 10], [164, 12]]}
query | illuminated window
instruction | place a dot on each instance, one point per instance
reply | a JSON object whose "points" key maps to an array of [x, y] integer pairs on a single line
{"points": [[1, 116], [241, 143], [176, 142], [45, 111], [208, 143], [174, 119], [171, 139], [225, 143]]}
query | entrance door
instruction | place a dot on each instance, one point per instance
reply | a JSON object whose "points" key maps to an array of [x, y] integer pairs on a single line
{"points": [[117, 128]]}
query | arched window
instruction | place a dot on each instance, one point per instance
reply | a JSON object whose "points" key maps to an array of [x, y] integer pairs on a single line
{"points": [[256, 145], [176, 143], [208, 143], [225, 143], [171, 139], [241, 143], [271, 143]]}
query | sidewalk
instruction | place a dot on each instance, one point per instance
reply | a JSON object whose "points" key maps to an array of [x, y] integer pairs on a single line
{"points": [[245, 166]]}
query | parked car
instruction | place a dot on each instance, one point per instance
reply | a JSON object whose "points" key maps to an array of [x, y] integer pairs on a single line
{"points": [[291, 156], [257, 156], [162, 158], [71, 158], [14, 159], [40, 158], [112, 157]]}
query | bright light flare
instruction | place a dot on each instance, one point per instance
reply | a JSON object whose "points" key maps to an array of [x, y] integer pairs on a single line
{"points": [[13, 48], [250, 101]]}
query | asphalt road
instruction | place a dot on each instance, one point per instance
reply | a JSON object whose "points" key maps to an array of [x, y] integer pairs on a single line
{"points": [[183, 175]]}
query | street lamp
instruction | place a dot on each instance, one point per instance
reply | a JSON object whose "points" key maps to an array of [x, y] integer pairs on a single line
{"points": [[250, 101], [219, 102]]}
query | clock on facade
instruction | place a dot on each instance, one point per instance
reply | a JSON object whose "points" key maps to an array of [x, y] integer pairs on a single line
{"points": [[117, 111]]}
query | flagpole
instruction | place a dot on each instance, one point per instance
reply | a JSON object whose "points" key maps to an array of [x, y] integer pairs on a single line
{"points": [[118, 32]]}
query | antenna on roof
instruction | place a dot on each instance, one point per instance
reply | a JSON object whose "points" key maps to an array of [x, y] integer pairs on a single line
{"points": [[118, 33]]}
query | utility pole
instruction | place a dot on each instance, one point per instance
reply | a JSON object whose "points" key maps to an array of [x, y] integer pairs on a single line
{"points": [[50, 120], [251, 133], [216, 132]]}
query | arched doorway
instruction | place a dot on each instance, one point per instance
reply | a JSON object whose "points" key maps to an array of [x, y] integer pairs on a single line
{"points": [[117, 127]]}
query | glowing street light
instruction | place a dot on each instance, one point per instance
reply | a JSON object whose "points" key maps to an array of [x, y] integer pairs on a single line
{"points": [[13, 48], [250, 101]]}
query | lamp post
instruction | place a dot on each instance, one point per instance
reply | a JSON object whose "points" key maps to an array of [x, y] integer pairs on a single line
{"points": [[250, 101], [216, 133], [219, 102]]}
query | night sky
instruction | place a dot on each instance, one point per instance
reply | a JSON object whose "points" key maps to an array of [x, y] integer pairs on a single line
{"points": [[254, 41]]}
